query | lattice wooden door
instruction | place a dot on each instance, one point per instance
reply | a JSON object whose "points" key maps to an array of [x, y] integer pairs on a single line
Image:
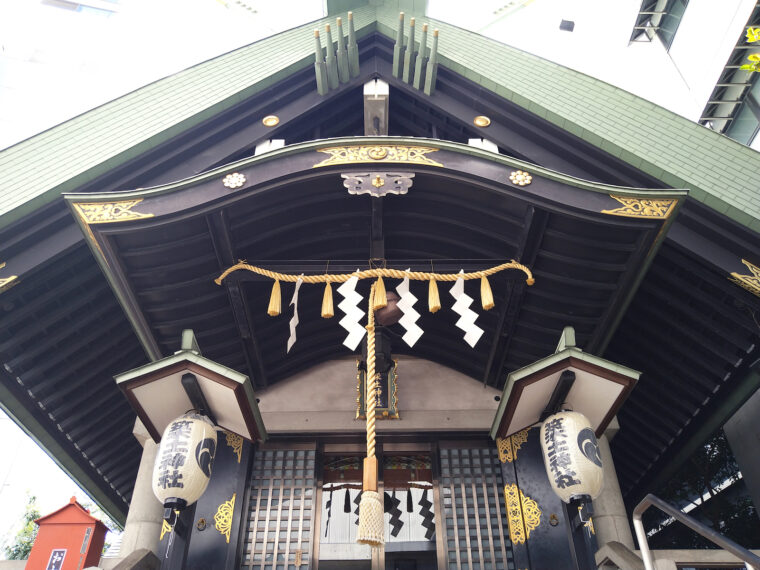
{"points": [[475, 525], [279, 533]]}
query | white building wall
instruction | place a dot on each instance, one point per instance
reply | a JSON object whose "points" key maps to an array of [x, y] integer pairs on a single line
{"points": [[680, 80]]}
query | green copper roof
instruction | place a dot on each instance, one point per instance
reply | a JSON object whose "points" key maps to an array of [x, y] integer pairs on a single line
{"points": [[37, 170], [669, 147]]}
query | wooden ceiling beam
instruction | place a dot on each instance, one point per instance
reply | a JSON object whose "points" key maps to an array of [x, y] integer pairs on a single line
{"points": [[534, 225], [225, 253]]}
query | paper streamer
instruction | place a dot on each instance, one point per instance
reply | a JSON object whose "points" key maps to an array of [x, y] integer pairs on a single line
{"points": [[350, 306], [467, 316], [409, 320], [294, 319]]}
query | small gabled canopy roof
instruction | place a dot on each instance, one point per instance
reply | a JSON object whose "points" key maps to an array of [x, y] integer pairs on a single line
{"points": [[597, 390], [156, 394]]}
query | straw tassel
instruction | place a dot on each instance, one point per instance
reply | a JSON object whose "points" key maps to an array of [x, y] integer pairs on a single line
{"points": [[380, 298], [486, 296], [434, 301], [328, 311], [371, 520], [275, 300]]}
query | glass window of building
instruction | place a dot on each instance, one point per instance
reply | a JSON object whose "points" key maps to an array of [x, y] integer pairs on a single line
{"points": [[746, 123], [659, 18], [670, 21]]}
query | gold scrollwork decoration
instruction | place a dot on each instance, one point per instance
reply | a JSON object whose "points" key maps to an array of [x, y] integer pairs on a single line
{"points": [[650, 208], [749, 282], [523, 514], [165, 527], [378, 153], [109, 212], [518, 439], [504, 447], [223, 517], [235, 441], [508, 446]]}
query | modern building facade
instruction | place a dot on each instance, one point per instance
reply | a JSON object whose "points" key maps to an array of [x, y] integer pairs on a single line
{"points": [[444, 152]]}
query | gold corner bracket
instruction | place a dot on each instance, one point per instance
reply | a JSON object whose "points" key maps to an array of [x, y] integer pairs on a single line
{"points": [[523, 514], [223, 517], [109, 212], [509, 446], [749, 282], [235, 441], [648, 208], [378, 153]]}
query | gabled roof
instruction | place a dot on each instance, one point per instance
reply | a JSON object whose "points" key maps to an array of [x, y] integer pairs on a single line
{"points": [[36, 171], [57, 380], [72, 513], [669, 147]]}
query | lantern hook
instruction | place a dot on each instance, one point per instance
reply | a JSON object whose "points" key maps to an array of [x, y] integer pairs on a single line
{"points": [[585, 511], [197, 399], [561, 390]]}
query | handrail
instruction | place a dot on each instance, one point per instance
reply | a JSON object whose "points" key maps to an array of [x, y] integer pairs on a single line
{"points": [[710, 534]]}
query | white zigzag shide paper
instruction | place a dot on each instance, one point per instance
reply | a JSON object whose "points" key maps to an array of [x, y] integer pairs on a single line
{"points": [[350, 306], [409, 320], [466, 322], [294, 320]]}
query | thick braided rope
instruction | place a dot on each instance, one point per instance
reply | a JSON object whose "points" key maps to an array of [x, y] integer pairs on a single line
{"points": [[377, 272], [371, 397]]}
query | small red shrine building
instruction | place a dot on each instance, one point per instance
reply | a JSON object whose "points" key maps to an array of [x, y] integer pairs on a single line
{"points": [[68, 539]]}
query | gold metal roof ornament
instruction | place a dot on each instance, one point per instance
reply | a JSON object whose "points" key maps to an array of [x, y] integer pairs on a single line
{"points": [[749, 282]]}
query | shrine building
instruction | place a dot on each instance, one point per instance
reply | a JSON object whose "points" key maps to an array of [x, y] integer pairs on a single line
{"points": [[618, 242]]}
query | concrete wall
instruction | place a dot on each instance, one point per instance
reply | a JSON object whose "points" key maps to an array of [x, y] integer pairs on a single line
{"points": [[12, 564], [431, 398], [680, 80]]}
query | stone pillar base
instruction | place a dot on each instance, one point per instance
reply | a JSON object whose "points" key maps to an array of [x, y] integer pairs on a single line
{"points": [[610, 518]]}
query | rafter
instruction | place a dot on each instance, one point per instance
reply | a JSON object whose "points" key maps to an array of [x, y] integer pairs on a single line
{"points": [[225, 254], [528, 245]]}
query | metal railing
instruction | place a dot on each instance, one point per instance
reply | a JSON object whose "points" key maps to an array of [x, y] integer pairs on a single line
{"points": [[710, 534]]}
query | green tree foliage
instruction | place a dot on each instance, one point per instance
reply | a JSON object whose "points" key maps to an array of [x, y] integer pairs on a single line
{"points": [[21, 545], [729, 511], [113, 528]]}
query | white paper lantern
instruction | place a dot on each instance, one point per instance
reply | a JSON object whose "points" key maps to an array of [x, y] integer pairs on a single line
{"points": [[571, 456], [184, 461]]}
